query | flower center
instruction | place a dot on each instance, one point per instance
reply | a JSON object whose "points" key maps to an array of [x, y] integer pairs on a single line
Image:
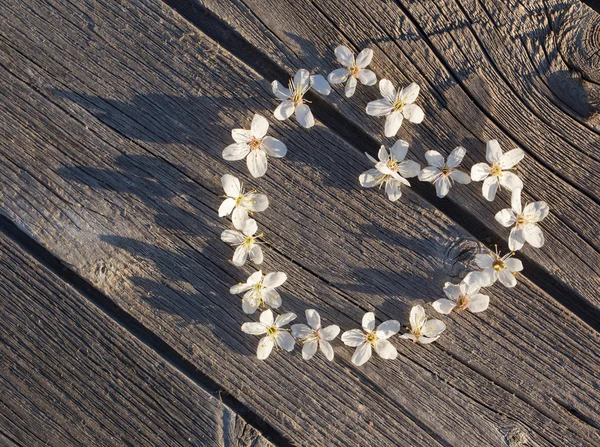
{"points": [[392, 165], [462, 302], [354, 71], [496, 171], [255, 143], [248, 241], [521, 220], [498, 265], [398, 105], [445, 171], [371, 337], [271, 331]]}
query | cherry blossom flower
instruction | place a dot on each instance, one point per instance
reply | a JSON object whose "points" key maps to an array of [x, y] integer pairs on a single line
{"points": [[260, 290], [292, 97], [355, 69], [396, 106], [247, 245], [314, 336], [276, 335], [391, 170], [464, 295], [239, 204], [495, 174], [525, 221], [498, 268], [370, 337], [442, 174], [254, 146], [422, 329]]}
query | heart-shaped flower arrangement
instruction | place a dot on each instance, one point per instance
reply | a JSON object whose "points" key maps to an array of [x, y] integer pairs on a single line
{"points": [[391, 170]]}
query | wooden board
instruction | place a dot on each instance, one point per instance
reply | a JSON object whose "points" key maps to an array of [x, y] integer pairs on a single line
{"points": [[71, 376], [112, 161]]}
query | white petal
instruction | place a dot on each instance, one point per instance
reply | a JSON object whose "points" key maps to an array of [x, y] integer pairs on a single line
{"points": [[478, 303], [409, 169], [280, 91], [413, 113], [484, 260], [516, 239], [267, 318], [369, 178], [409, 94], [231, 185], [254, 328], [232, 237], [284, 340], [344, 56], [265, 346], [387, 329], [538, 209], [386, 350], [258, 202], [284, 319], [256, 255], [456, 156], [255, 278], [368, 321], [513, 265], [515, 201], [326, 349], [480, 171], [274, 279], [257, 163], [383, 153], [426, 340], [493, 153], [442, 187], [432, 328], [302, 79], [460, 177], [250, 304], [417, 316], [367, 77], [393, 189], [507, 278], [320, 84], [239, 288], [452, 291], [259, 126], [444, 306], [330, 332], [313, 318], [362, 354], [239, 216], [511, 158], [364, 58], [393, 123], [387, 90], [240, 255], [249, 227], [226, 207], [382, 167], [505, 217], [338, 76], [434, 158], [284, 110], [429, 174], [353, 337], [236, 151], [380, 107], [309, 349], [301, 331], [271, 298], [534, 235], [304, 116], [399, 150], [241, 135], [274, 147], [350, 87], [489, 188], [511, 181], [409, 337]]}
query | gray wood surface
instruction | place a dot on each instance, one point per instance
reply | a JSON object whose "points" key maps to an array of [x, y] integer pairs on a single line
{"points": [[115, 118], [72, 376]]}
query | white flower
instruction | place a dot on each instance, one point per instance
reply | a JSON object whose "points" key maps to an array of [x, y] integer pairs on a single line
{"points": [[498, 268], [293, 97], [314, 336], [247, 246], [525, 222], [462, 296], [276, 335], [396, 106], [260, 290], [355, 69], [495, 174], [391, 170], [372, 338], [442, 174], [423, 330], [238, 202], [254, 144]]}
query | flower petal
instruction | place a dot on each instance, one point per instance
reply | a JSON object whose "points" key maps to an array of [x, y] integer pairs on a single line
{"points": [[399, 150], [444, 306], [409, 169], [489, 188], [284, 110], [387, 90], [241, 287], [413, 113], [409, 337], [379, 107], [480, 171], [456, 156], [259, 126], [515, 201], [383, 153], [478, 303], [442, 187], [284, 340], [350, 87], [249, 227], [362, 354], [274, 279], [344, 56], [313, 318], [274, 147], [267, 318], [254, 328], [338, 76], [226, 207], [320, 84], [393, 123], [241, 135], [280, 91], [386, 350], [309, 349], [452, 291], [353, 337], [460, 177], [236, 151], [426, 340], [249, 304], [369, 178], [516, 239], [505, 217], [393, 189], [417, 316], [493, 152], [240, 255], [257, 163], [511, 158], [364, 58], [271, 298], [257, 202], [387, 329], [432, 328], [367, 77], [232, 237], [239, 216], [537, 209], [284, 319], [507, 278], [302, 79], [256, 254], [231, 185], [330, 332], [434, 158], [265, 346], [534, 235], [484, 260], [326, 349], [368, 321], [304, 116], [511, 181], [429, 174], [301, 331], [513, 265], [409, 94]]}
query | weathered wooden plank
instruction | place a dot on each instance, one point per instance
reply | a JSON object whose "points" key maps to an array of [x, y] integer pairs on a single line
{"points": [[135, 218], [72, 376], [471, 93]]}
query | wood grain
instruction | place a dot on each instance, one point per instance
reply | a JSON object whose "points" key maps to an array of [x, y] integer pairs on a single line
{"points": [[71, 376], [112, 161]]}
